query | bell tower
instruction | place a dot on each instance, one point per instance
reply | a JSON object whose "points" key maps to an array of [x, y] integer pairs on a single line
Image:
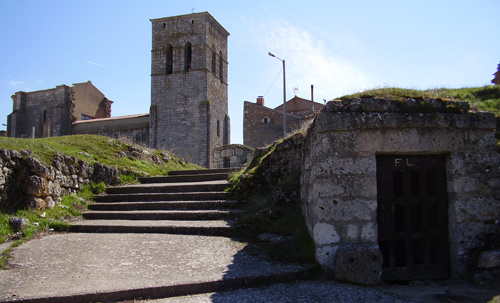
{"points": [[189, 100]]}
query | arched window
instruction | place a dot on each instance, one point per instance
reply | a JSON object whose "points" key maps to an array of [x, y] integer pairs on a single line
{"points": [[45, 115], [170, 58], [187, 56], [221, 67], [214, 60]]}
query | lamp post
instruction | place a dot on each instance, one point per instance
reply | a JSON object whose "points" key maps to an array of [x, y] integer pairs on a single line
{"points": [[284, 93]]}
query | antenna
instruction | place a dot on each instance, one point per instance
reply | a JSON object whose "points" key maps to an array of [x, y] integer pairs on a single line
{"points": [[295, 90], [192, 10]]}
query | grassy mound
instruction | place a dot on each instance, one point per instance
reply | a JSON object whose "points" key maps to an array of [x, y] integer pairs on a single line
{"points": [[486, 98], [101, 149]]}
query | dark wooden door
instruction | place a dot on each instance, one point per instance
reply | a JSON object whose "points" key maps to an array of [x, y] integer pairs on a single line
{"points": [[412, 217]]}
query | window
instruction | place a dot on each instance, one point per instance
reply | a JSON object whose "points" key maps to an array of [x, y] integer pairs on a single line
{"points": [[218, 128], [187, 56], [85, 117], [214, 60], [266, 120], [45, 115], [170, 57], [221, 67]]}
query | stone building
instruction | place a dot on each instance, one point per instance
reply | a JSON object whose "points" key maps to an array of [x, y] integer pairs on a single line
{"points": [[263, 125], [189, 97], [51, 112], [133, 128], [496, 80], [401, 190]]}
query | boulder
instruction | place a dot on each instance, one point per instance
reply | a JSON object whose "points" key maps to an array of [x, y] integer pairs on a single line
{"points": [[39, 169], [18, 223], [489, 259], [359, 265], [36, 186], [35, 203]]}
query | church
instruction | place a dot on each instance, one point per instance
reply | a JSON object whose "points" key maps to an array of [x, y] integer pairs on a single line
{"points": [[189, 97]]}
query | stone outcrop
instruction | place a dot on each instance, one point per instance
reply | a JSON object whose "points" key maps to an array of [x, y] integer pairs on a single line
{"points": [[26, 182]]}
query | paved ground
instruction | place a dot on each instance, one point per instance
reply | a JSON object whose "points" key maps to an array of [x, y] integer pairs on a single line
{"points": [[59, 267], [67, 265]]}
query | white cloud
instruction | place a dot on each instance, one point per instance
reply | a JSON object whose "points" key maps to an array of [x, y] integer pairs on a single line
{"points": [[97, 64], [310, 61], [17, 84]]}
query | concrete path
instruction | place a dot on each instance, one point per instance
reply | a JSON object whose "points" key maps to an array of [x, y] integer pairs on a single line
{"points": [[85, 267]]}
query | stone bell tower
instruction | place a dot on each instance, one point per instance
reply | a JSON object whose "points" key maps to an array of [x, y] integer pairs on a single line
{"points": [[189, 101]]}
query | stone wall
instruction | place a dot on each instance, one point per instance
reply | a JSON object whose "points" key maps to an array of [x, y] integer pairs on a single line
{"points": [[262, 125], [51, 112], [41, 113], [26, 182], [339, 178], [134, 128]]}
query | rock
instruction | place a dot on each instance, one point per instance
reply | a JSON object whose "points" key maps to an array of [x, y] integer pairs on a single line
{"points": [[18, 223], [489, 259], [359, 265], [35, 203], [103, 173], [86, 170], [39, 169], [49, 202], [36, 186]]}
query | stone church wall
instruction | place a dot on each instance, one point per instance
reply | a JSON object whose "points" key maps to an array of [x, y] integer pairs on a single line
{"points": [[339, 178], [134, 128]]}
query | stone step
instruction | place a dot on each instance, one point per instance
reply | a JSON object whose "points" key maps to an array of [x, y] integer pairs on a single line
{"points": [[204, 227], [184, 178], [161, 215], [191, 196], [185, 187], [201, 171], [164, 205]]}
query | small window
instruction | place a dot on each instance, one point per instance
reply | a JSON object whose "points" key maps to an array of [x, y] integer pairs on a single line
{"points": [[45, 115], [164, 25], [170, 58], [218, 128], [221, 67], [214, 60], [266, 120], [187, 56], [85, 117]]}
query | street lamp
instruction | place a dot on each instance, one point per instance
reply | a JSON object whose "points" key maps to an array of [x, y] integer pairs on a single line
{"points": [[284, 93]]}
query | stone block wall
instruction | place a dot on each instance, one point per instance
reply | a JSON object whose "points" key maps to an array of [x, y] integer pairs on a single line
{"points": [[41, 113], [134, 128], [29, 183], [339, 176], [262, 125]]}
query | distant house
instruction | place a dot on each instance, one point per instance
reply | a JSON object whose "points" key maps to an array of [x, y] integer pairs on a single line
{"points": [[263, 125], [51, 112], [496, 80]]}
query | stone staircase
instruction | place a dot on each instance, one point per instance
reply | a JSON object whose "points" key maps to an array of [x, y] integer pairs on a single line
{"points": [[185, 202], [168, 236]]}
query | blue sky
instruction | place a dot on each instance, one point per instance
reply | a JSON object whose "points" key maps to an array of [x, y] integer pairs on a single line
{"points": [[341, 47]]}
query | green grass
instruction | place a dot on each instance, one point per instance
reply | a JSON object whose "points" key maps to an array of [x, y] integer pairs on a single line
{"points": [[94, 149], [486, 98]]}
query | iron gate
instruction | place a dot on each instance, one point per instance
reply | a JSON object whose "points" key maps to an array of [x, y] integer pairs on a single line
{"points": [[412, 216]]}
